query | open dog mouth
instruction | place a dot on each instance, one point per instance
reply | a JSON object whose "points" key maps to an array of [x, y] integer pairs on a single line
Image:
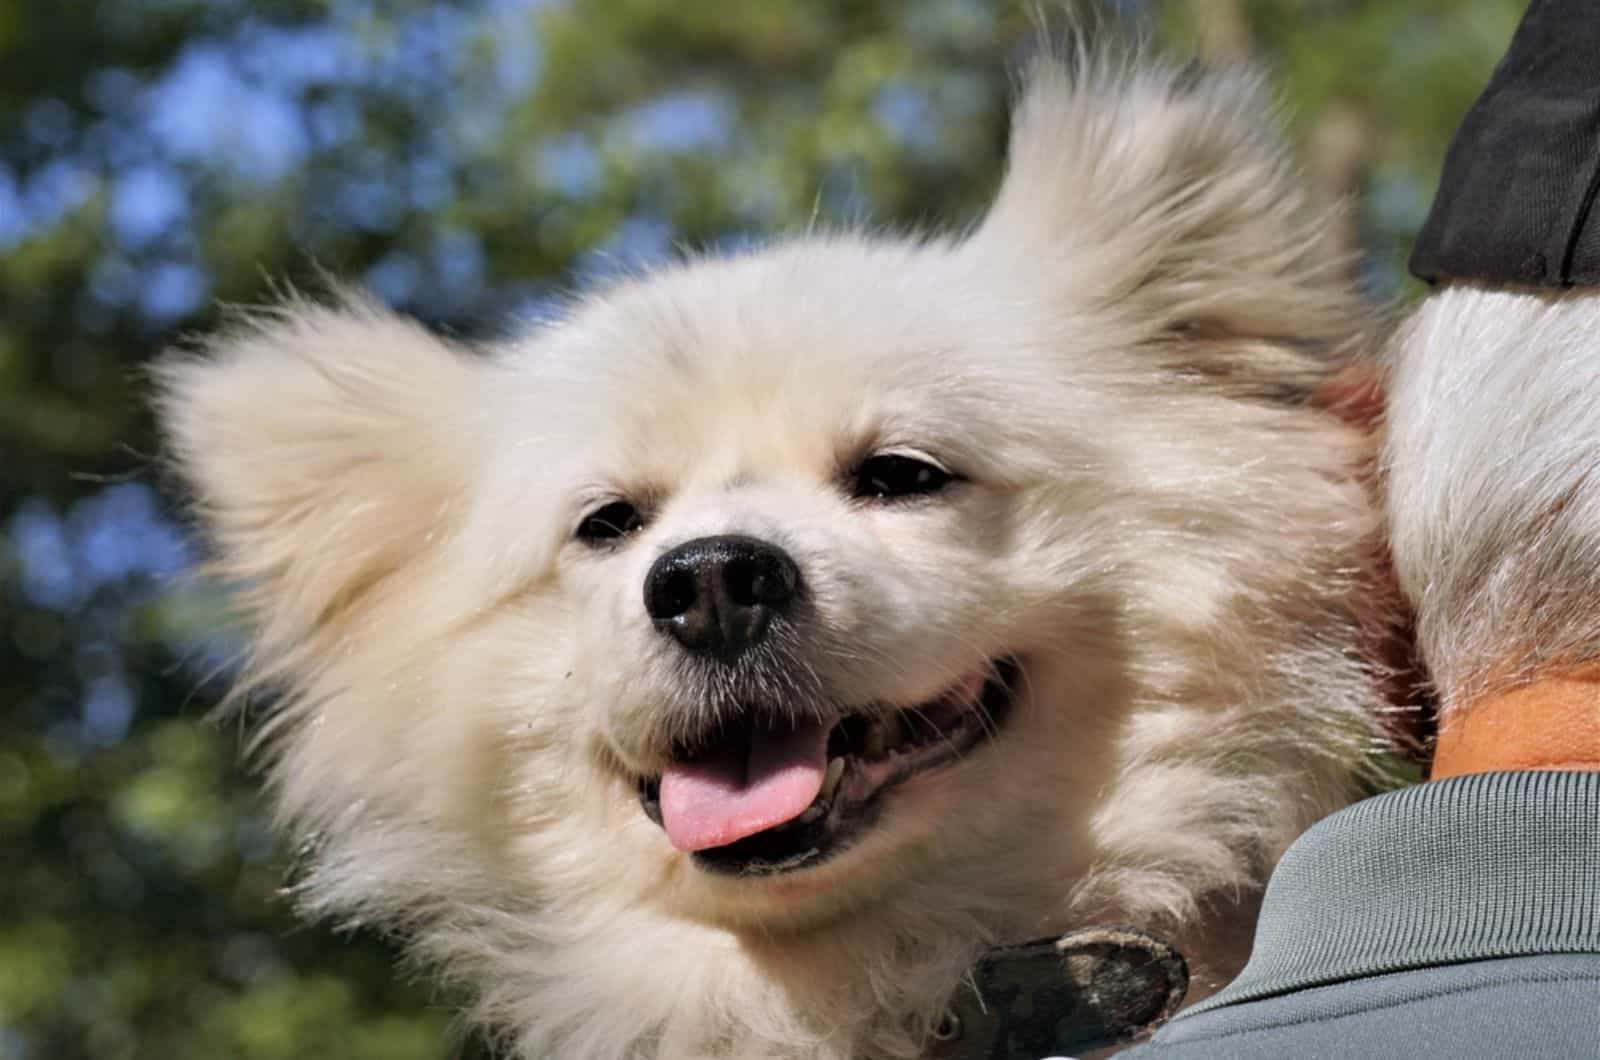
{"points": [[759, 798]]}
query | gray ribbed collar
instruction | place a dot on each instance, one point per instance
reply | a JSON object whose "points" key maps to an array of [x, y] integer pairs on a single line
{"points": [[1472, 868]]}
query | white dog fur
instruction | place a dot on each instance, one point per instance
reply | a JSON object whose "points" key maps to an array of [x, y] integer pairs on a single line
{"points": [[1121, 361]]}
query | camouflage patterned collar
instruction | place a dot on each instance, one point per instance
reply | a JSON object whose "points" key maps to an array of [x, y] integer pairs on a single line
{"points": [[1085, 990]]}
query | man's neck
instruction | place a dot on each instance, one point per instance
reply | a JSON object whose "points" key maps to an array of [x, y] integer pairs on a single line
{"points": [[1549, 723]]}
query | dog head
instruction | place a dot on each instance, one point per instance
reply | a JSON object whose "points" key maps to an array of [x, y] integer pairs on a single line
{"points": [[958, 578]]}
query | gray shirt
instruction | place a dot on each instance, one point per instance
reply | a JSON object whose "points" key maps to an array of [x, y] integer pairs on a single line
{"points": [[1454, 919]]}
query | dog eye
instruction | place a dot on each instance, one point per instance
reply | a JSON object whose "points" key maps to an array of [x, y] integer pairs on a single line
{"points": [[889, 475], [610, 522]]}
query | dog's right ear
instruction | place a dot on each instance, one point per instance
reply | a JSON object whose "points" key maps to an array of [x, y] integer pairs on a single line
{"points": [[325, 446]]}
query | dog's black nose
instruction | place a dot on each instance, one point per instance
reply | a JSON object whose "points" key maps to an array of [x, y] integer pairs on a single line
{"points": [[718, 595]]}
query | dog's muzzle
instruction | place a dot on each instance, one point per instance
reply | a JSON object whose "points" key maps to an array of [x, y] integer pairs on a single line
{"points": [[771, 791], [718, 596]]}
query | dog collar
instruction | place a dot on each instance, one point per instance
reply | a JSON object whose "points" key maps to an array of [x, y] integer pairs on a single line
{"points": [[1085, 990]]}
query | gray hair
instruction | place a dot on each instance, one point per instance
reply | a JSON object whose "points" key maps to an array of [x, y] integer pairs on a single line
{"points": [[1493, 444]]}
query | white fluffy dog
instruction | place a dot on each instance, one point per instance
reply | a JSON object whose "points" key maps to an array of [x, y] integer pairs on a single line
{"points": [[719, 671]]}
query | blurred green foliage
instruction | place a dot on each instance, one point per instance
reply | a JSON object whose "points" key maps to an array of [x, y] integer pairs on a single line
{"points": [[469, 162]]}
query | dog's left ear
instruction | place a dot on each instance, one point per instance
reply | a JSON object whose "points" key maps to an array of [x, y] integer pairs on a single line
{"points": [[1164, 197]]}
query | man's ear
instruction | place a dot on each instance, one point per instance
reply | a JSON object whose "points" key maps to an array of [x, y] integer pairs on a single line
{"points": [[1165, 197], [1357, 394], [326, 447]]}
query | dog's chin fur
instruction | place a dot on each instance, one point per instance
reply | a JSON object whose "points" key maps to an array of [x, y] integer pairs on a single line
{"points": [[1154, 516]]}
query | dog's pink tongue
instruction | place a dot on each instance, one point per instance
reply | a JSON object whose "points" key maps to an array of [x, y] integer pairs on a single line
{"points": [[739, 792]]}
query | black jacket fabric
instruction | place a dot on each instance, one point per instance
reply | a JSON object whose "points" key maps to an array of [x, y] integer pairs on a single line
{"points": [[1516, 203]]}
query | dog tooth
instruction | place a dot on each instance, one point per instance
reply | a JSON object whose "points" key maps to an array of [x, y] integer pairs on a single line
{"points": [[830, 779], [877, 739]]}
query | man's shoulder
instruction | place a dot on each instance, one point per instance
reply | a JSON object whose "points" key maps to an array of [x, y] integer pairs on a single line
{"points": [[1533, 1007], [1459, 918]]}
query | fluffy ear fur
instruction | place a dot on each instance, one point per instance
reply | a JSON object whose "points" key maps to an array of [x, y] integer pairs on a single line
{"points": [[325, 447], [1161, 196]]}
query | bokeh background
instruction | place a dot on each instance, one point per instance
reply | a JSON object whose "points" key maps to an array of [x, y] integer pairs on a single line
{"points": [[469, 163]]}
